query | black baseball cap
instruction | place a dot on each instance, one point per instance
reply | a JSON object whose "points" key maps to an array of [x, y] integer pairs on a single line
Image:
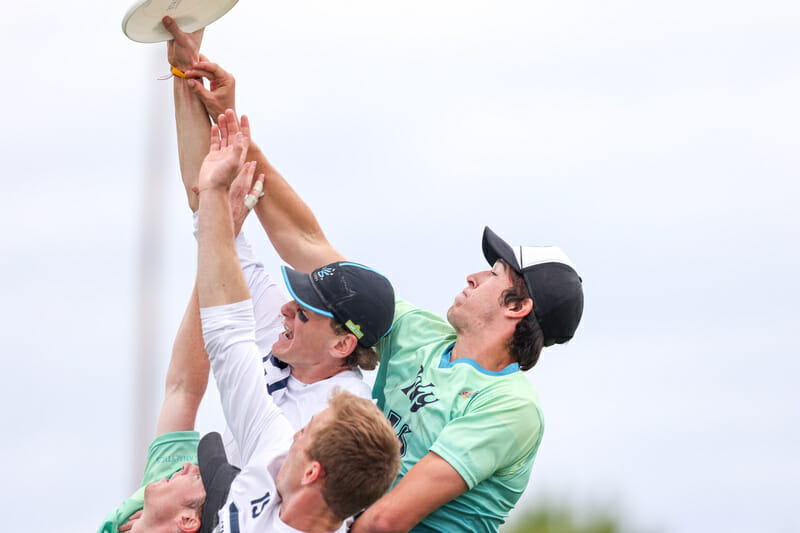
{"points": [[553, 283], [217, 475], [359, 298]]}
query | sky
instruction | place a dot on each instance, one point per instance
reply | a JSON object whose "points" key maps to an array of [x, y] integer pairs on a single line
{"points": [[656, 143]]}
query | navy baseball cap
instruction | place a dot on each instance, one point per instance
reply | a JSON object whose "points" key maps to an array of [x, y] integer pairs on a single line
{"points": [[359, 298], [552, 281]]}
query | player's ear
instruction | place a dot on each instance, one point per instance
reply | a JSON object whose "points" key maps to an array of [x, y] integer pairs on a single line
{"points": [[520, 309], [188, 521], [312, 473], [344, 346]]}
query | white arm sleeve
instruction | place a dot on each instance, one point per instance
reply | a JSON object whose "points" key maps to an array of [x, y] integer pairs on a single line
{"points": [[252, 416], [267, 295]]}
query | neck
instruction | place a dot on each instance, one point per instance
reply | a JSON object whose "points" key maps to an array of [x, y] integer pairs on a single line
{"points": [[317, 371], [489, 352], [307, 511], [146, 524]]}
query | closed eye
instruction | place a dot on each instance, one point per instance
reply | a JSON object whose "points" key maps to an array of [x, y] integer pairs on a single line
{"points": [[301, 315]]}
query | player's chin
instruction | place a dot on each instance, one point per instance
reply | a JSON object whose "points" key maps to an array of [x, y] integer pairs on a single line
{"points": [[281, 346], [451, 314]]}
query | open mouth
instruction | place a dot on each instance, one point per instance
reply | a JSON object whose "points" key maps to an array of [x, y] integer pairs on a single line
{"points": [[288, 334]]}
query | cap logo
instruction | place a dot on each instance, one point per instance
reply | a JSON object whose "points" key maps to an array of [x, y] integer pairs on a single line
{"points": [[323, 272], [355, 328]]}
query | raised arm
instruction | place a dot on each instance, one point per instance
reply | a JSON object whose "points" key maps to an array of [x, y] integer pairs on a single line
{"points": [[220, 279], [290, 224], [191, 119], [226, 309], [187, 375]]}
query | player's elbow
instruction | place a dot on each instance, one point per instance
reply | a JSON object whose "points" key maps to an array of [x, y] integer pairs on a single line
{"points": [[383, 519]]}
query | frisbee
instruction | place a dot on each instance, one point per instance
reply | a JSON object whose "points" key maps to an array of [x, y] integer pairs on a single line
{"points": [[142, 22]]}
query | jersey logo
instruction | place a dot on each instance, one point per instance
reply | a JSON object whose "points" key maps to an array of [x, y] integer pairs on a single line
{"points": [[233, 517], [419, 394], [257, 506], [466, 395], [402, 430]]}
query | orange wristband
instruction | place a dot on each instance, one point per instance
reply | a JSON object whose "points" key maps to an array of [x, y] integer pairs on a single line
{"points": [[177, 72]]}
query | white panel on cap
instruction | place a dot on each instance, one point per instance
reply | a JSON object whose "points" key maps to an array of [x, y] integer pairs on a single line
{"points": [[536, 255]]}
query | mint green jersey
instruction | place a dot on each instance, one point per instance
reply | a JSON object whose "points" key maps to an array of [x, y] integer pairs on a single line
{"points": [[165, 456], [486, 425]]}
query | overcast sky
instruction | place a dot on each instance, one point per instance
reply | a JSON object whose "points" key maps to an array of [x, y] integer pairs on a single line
{"points": [[656, 143]]}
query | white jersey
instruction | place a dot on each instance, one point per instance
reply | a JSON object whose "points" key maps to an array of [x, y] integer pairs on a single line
{"points": [[299, 401], [258, 425]]}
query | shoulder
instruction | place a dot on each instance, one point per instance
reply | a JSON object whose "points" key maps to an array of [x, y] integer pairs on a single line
{"points": [[513, 392], [404, 310], [512, 402], [414, 325], [351, 381]]}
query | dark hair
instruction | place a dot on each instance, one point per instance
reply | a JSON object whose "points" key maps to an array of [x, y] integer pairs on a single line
{"points": [[527, 341], [360, 357]]}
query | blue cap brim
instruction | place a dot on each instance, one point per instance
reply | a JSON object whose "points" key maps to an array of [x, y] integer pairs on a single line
{"points": [[302, 291]]}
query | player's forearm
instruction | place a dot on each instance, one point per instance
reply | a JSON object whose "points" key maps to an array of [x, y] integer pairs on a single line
{"points": [[219, 277], [192, 124], [290, 224], [188, 367], [187, 375], [428, 485]]}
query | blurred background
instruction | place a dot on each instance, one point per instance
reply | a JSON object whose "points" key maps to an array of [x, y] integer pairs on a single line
{"points": [[656, 143]]}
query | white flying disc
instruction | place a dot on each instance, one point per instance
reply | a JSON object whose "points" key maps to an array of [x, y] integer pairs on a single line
{"points": [[142, 22]]}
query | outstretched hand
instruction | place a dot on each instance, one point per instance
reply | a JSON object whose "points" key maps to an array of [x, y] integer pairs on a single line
{"points": [[221, 92], [226, 154], [184, 48]]}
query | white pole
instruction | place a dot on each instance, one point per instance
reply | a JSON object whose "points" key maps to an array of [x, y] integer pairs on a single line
{"points": [[150, 345]]}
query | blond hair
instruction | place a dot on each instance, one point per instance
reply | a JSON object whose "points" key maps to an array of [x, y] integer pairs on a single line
{"points": [[358, 451]]}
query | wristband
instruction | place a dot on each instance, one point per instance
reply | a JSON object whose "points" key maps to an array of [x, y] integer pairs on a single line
{"points": [[177, 72]]}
